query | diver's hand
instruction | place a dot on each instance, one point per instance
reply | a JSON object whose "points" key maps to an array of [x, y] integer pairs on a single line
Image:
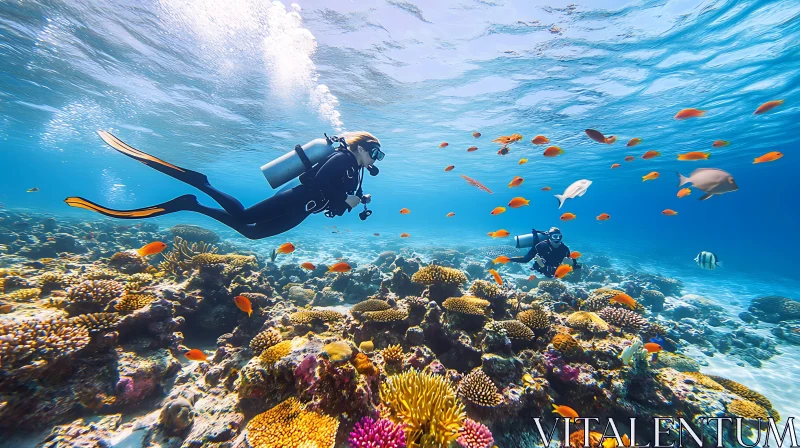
{"points": [[352, 201], [539, 260], [366, 198], [568, 261]]}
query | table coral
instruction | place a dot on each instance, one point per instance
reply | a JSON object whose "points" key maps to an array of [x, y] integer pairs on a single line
{"points": [[486, 290], [588, 321], [370, 305], [133, 302], [307, 317], [747, 410], [390, 315], [433, 274], [466, 305], [625, 319], [743, 391], [516, 329]]}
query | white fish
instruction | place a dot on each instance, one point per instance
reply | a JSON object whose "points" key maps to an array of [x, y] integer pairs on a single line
{"points": [[711, 180], [578, 188], [707, 260]]}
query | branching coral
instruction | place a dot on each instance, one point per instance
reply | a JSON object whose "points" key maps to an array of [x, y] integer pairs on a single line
{"points": [[747, 410], [307, 317], [587, 320], [274, 354], [516, 329], [427, 405], [180, 257], [289, 425], [466, 305], [390, 315], [393, 353], [96, 321], [265, 340], [625, 319], [24, 295], [133, 302], [369, 433], [478, 389], [35, 342], [100, 274], [50, 280], [536, 318], [95, 291], [438, 275], [486, 290], [475, 435], [370, 305], [743, 391]]}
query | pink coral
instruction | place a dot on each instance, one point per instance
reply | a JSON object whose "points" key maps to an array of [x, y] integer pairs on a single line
{"points": [[369, 433], [475, 435]]}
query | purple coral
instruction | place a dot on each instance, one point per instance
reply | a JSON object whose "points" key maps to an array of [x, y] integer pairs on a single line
{"points": [[475, 435], [563, 371], [369, 433]]}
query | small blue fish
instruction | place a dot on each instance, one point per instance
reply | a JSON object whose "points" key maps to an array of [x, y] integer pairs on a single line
{"points": [[658, 340]]}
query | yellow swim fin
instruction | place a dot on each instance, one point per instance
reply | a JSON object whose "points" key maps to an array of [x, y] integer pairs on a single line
{"points": [[184, 202], [130, 151]]}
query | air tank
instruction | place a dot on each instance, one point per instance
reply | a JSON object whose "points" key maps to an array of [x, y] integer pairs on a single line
{"points": [[289, 166]]}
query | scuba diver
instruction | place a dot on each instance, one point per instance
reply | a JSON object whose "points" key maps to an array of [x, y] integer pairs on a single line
{"points": [[547, 250], [330, 182]]}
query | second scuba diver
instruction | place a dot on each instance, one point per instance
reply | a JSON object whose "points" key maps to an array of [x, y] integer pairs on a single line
{"points": [[548, 254], [331, 185]]}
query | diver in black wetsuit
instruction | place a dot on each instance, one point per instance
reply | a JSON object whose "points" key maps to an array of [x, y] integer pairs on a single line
{"points": [[548, 254], [332, 186]]}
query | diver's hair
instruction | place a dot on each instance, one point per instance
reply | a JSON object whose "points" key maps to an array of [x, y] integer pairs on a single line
{"points": [[361, 138]]}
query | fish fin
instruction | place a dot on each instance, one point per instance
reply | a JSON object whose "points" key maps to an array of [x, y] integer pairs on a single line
{"points": [[560, 200], [682, 179], [705, 196], [140, 252], [249, 313], [719, 263]]}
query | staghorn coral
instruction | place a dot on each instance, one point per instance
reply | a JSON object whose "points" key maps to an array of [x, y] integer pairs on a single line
{"points": [[96, 321], [704, 381], [370, 305], [475, 435], [363, 365], [427, 405], [478, 389], [95, 291], [24, 295], [466, 305], [307, 317], [33, 343], [486, 290], [566, 344], [552, 287], [747, 410], [516, 329], [536, 318], [393, 353], [289, 425], [369, 433], [133, 302], [743, 391], [438, 275], [390, 315], [265, 340], [625, 319], [274, 354], [180, 257], [587, 320]]}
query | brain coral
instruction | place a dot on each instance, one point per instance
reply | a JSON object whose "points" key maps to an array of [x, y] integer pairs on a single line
{"points": [[516, 329], [747, 409], [566, 344], [132, 302], [478, 388], [486, 290], [427, 405], [626, 319], [536, 318], [338, 351], [289, 425], [370, 305], [438, 275], [466, 305], [265, 340], [393, 353], [390, 315], [35, 342], [743, 391], [95, 291], [587, 320], [306, 317]]}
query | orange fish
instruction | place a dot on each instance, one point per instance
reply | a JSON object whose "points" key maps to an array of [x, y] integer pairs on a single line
{"points": [[562, 271], [768, 106], [404, 211], [449, 167], [540, 140], [596, 135], [502, 259], [689, 113], [151, 249], [195, 355], [720, 143], [650, 154], [498, 210], [603, 217], [506, 139], [339, 267], [546, 188], [565, 411], [503, 151], [616, 165], [476, 134], [518, 202], [553, 151], [532, 277], [629, 158], [404, 235], [472, 149], [502, 233], [310, 266], [286, 248], [496, 276], [568, 216], [523, 161], [652, 347], [450, 215], [684, 192], [444, 144], [243, 303], [669, 212], [634, 141], [652, 175], [575, 255], [624, 299], [768, 157], [515, 182], [612, 139], [694, 155]]}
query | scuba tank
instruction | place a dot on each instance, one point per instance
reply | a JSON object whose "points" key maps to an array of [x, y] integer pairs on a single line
{"points": [[530, 239], [296, 162]]}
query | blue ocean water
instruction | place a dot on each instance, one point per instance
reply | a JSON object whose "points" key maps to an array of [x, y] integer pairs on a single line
{"points": [[223, 87]]}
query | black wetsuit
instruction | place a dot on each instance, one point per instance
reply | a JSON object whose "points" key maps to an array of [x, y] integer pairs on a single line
{"points": [[553, 256]]}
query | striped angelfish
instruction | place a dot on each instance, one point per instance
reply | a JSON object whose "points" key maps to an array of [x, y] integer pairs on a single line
{"points": [[707, 260]]}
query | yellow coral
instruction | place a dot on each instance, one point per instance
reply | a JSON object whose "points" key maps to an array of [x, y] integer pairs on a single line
{"points": [[466, 305], [586, 320], [536, 318], [427, 405], [438, 275], [97, 321], [288, 425], [704, 380], [478, 388], [133, 302], [390, 315], [366, 346], [274, 354], [747, 409], [370, 305], [393, 353], [566, 344], [743, 391], [306, 317], [33, 343], [26, 294], [363, 365], [485, 290], [338, 351], [515, 329]]}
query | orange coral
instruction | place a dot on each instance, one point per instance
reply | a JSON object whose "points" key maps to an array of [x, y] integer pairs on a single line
{"points": [[288, 425], [363, 365]]}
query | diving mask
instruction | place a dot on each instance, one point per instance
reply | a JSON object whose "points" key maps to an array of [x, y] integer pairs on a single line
{"points": [[556, 237], [376, 154]]}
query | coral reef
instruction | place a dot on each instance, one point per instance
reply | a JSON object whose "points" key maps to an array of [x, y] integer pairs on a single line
{"points": [[370, 305], [95, 293], [515, 329], [289, 425], [194, 234], [265, 340], [478, 389], [747, 410], [536, 318], [382, 433], [587, 321], [133, 302], [743, 391], [622, 318], [32, 344], [475, 435], [466, 305]]}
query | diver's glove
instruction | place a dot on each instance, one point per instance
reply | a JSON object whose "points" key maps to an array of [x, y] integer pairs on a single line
{"points": [[352, 201]]}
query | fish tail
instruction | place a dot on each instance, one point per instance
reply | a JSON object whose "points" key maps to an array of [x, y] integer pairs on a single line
{"points": [[681, 179], [249, 313], [140, 252], [560, 199]]}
